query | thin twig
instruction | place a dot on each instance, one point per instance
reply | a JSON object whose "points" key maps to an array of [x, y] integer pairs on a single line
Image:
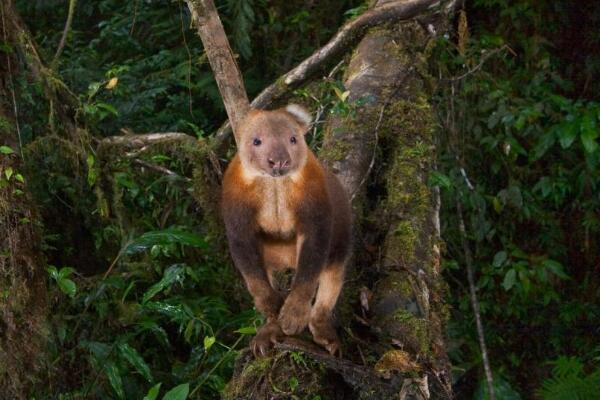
{"points": [[483, 60], [67, 28], [160, 169], [146, 139], [135, 12], [209, 373], [189, 53], [475, 302]]}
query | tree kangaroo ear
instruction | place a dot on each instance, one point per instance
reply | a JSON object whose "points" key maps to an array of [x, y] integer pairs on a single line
{"points": [[300, 114]]}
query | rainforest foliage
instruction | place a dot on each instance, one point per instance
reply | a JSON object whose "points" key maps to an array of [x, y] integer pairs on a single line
{"points": [[143, 300]]}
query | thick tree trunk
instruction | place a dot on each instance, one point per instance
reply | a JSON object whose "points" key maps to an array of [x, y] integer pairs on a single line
{"points": [[23, 299], [392, 311]]}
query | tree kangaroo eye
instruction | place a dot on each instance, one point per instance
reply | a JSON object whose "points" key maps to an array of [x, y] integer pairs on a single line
{"points": [[293, 140], [257, 142]]}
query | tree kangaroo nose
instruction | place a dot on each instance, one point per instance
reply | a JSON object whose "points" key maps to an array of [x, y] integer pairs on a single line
{"points": [[279, 165]]}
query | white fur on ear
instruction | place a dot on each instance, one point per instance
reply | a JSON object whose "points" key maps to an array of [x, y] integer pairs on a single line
{"points": [[300, 113]]}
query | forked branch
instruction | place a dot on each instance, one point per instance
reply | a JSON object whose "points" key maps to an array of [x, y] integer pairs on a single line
{"points": [[348, 35]]}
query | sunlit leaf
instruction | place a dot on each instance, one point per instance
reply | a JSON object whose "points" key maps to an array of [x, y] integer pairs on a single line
{"points": [[209, 341], [112, 83], [6, 150], [178, 392], [8, 172], [247, 330], [67, 286], [153, 392]]}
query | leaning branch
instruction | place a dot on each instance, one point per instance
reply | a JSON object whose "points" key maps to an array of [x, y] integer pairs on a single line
{"points": [[474, 301], [347, 36], [136, 141], [226, 72]]}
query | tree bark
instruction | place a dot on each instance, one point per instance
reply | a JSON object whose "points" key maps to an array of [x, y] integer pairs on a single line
{"points": [[23, 298], [227, 74]]}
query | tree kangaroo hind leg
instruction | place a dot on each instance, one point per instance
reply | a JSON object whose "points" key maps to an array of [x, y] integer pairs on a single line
{"points": [[321, 325]]}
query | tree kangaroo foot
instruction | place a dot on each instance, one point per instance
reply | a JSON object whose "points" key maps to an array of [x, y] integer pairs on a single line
{"points": [[325, 335], [267, 335], [294, 315]]}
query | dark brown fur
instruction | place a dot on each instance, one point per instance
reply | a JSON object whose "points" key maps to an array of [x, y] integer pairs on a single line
{"points": [[283, 209]]}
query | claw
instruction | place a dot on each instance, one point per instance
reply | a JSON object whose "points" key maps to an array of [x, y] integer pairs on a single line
{"points": [[266, 336], [325, 335]]}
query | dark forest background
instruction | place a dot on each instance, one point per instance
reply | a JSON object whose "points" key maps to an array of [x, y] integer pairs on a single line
{"points": [[518, 157]]}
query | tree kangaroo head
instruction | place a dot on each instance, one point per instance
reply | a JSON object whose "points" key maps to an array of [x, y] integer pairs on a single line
{"points": [[272, 142]]}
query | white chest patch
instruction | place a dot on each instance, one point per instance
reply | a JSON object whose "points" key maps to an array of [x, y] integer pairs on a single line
{"points": [[275, 215]]}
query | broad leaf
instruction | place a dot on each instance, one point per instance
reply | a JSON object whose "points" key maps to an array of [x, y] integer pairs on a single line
{"points": [[135, 359], [165, 237], [178, 392], [153, 392], [509, 279], [171, 275]]}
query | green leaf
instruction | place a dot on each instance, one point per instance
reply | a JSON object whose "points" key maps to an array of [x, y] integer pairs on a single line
{"points": [[189, 331], [99, 350], [567, 133], [556, 268], [499, 259], [107, 107], [68, 287], [8, 172], [247, 330], [20, 178], [589, 133], [65, 272], [172, 274], [175, 312], [543, 145], [178, 392], [165, 237], [135, 359], [114, 378], [438, 179], [6, 150], [509, 279], [293, 382], [153, 392], [92, 174], [52, 271], [208, 342]]}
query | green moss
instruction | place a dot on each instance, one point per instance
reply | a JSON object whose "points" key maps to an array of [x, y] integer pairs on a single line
{"points": [[418, 327], [397, 283], [336, 151], [283, 375]]}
